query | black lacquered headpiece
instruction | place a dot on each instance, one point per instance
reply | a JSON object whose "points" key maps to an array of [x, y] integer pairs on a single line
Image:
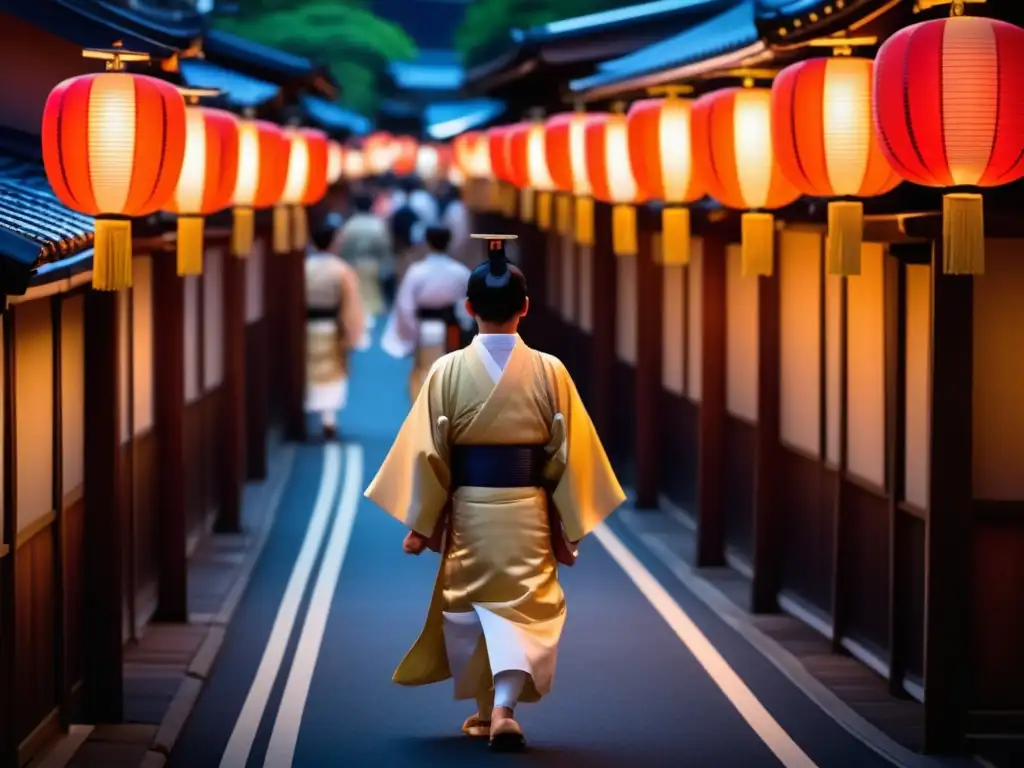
{"points": [[499, 274]]}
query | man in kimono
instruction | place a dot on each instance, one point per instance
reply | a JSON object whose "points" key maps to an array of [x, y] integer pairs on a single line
{"points": [[429, 316], [335, 324], [366, 245], [500, 461]]}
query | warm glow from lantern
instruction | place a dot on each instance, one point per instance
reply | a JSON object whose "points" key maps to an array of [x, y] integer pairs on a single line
{"points": [[188, 197], [752, 139], [111, 139], [970, 97], [676, 140], [428, 163], [536, 159], [379, 152], [847, 123], [479, 158], [335, 162], [403, 155], [355, 164], [298, 170], [578, 155], [248, 164]]}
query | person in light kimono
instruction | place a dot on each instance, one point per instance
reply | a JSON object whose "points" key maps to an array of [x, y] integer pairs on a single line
{"points": [[365, 243], [335, 324], [498, 467], [429, 317]]}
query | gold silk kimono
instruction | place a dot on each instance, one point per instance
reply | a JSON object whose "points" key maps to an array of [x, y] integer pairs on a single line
{"points": [[497, 560]]}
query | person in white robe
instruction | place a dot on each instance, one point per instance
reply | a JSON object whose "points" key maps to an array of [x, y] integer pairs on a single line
{"points": [[365, 244], [429, 317], [455, 217], [413, 194], [335, 325], [499, 468]]}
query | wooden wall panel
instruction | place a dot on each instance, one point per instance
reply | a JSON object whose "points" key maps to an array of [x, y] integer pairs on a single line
{"points": [[74, 579], [193, 385], [694, 326], [72, 365], [124, 335], [586, 276], [254, 276], [741, 367], [34, 397], [35, 628], [865, 370], [142, 344], [800, 340], [918, 343], [833, 367], [213, 319], [673, 329], [569, 288], [999, 374], [625, 309]]}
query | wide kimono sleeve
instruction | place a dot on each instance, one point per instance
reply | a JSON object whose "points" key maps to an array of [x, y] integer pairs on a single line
{"points": [[586, 489], [412, 483]]}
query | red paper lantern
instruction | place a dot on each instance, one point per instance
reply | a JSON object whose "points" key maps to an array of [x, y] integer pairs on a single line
{"points": [[518, 152], [335, 162], [949, 112], [566, 147], [378, 152], [207, 181], [734, 156], [611, 178], [498, 146], [316, 179], [826, 145], [262, 171], [661, 157], [404, 150], [113, 145]]}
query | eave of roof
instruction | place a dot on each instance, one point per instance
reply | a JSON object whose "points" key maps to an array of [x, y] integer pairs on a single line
{"points": [[732, 33], [334, 118], [614, 19], [237, 89], [241, 53], [443, 121], [175, 28]]}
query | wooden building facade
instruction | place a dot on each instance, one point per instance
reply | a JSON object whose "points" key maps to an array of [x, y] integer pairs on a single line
{"points": [[852, 445], [131, 420]]}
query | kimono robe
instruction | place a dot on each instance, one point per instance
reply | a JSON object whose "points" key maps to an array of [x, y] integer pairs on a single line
{"points": [[436, 281], [365, 243], [497, 603], [335, 324]]}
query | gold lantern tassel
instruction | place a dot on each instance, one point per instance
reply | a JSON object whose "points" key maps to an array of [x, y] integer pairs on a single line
{"points": [[675, 235], [963, 235], [527, 201], [544, 211], [494, 196], [563, 214], [282, 236], [585, 220], [758, 245], [624, 230], [112, 254], [300, 228], [242, 231], [845, 235], [190, 245]]}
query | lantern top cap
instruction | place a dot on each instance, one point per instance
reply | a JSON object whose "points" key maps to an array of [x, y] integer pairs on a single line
{"points": [[115, 56], [956, 7], [193, 95], [495, 237], [670, 91]]}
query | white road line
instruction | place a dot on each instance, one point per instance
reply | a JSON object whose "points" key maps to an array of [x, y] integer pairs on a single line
{"points": [[739, 695], [240, 744], [285, 735]]}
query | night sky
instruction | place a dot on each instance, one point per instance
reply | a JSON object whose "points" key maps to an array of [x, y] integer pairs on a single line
{"points": [[431, 23]]}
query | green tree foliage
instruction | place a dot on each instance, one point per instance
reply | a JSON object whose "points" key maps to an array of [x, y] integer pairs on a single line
{"points": [[343, 34], [485, 29]]}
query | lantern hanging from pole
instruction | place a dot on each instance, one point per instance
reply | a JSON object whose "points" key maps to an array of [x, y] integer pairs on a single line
{"points": [[661, 156], [316, 184], [519, 164], [335, 162], [539, 176], [949, 112], [428, 163], [472, 157], [403, 155], [734, 157], [207, 182], [826, 146], [379, 152], [113, 146], [499, 148], [262, 171], [354, 164], [294, 189], [611, 177], [565, 145]]}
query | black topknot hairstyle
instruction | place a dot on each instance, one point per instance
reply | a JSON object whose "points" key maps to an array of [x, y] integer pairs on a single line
{"points": [[497, 289]]}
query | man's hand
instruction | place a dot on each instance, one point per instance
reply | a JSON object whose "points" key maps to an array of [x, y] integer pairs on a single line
{"points": [[414, 543]]}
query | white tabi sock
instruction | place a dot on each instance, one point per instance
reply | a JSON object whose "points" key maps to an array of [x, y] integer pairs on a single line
{"points": [[328, 418], [508, 687]]}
